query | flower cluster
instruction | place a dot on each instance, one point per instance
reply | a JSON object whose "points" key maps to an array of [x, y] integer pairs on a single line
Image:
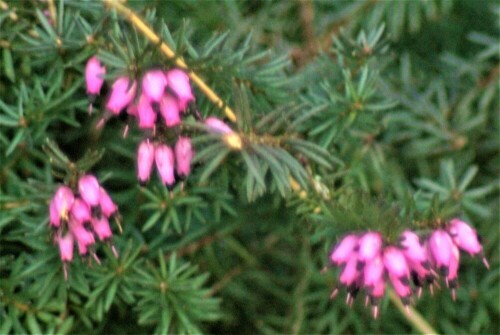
{"points": [[366, 263], [167, 93], [172, 165], [81, 216]]}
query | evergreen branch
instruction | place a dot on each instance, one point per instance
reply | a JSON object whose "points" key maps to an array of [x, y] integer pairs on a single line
{"points": [[179, 62], [412, 316]]}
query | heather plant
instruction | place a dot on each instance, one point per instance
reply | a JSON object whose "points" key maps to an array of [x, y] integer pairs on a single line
{"points": [[249, 167]]}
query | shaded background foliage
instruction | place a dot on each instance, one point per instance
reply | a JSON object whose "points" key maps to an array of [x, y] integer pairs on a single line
{"points": [[386, 107]]}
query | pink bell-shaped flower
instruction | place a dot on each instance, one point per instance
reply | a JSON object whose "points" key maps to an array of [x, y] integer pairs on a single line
{"points": [[217, 126], [169, 109], [88, 186], [395, 262], [63, 200], [164, 158], [84, 238], [102, 229], [153, 84], [401, 287], [54, 219], [145, 159], [94, 75], [441, 249], [66, 244], [145, 113], [80, 211], [373, 271], [466, 238], [122, 94], [183, 156], [370, 245], [108, 207], [412, 248], [344, 250], [350, 273], [178, 81]]}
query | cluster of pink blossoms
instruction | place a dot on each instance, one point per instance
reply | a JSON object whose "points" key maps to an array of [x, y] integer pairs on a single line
{"points": [[366, 263], [167, 93], [81, 217]]}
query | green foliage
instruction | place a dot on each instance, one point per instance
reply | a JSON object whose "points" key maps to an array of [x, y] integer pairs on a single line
{"points": [[366, 115]]}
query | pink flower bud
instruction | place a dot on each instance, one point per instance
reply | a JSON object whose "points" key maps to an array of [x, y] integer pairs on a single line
{"points": [[217, 126], [80, 211], [153, 84], [66, 247], [145, 113], [395, 263], [83, 237], [183, 156], [122, 94], [63, 200], [108, 207], [164, 158], [169, 109], [344, 250], [55, 220], [145, 159], [350, 274], [401, 287], [178, 81], [88, 186], [464, 236], [411, 247], [370, 245], [441, 248], [94, 75], [375, 294], [102, 229], [373, 271]]}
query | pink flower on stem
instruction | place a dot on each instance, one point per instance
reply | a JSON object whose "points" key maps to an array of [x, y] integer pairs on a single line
{"points": [[84, 238], [373, 271], [54, 218], [102, 229], [80, 211], [89, 189], [395, 262], [344, 250], [178, 82], [153, 84], [145, 113], [66, 244], [145, 159], [441, 248], [169, 109], [164, 158], [94, 75], [466, 238], [370, 245], [108, 207], [122, 94], [62, 201], [183, 156], [375, 294], [217, 126]]}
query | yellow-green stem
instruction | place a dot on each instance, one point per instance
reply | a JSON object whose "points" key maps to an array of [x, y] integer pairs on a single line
{"points": [[140, 25], [413, 316]]}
